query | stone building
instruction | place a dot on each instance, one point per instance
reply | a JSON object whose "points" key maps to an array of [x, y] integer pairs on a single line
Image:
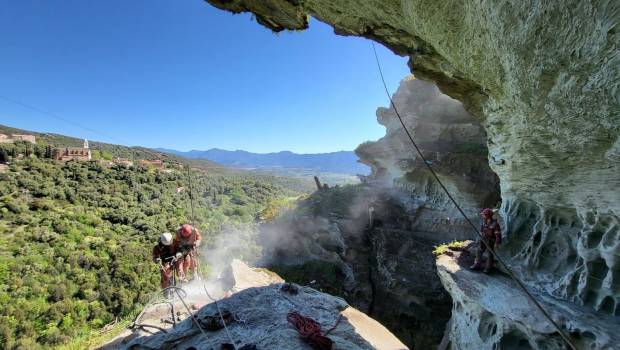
{"points": [[73, 153], [17, 137], [26, 138], [157, 164], [122, 161]]}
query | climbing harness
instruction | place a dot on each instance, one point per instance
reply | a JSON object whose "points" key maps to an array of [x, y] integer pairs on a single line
{"points": [[310, 330], [544, 312]]}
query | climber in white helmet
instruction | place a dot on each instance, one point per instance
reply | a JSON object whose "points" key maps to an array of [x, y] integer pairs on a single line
{"points": [[163, 253]]}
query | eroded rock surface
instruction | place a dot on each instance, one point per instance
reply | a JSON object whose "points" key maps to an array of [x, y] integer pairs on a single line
{"points": [[381, 234], [491, 312], [544, 79], [386, 269], [452, 140], [542, 75], [260, 307]]}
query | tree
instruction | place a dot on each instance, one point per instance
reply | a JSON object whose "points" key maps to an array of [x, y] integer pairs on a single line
{"points": [[48, 151], [39, 152], [4, 156], [79, 229]]}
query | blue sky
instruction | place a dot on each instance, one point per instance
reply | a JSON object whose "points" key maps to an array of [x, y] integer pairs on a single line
{"points": [[184, 75]]}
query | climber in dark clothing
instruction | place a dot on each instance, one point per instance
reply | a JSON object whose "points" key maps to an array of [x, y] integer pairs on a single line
{"points": [[492, 235], [162, 254]]}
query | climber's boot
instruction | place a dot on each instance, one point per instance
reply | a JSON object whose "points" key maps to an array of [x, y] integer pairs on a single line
{"points": [[477, 266], [489, 263]]}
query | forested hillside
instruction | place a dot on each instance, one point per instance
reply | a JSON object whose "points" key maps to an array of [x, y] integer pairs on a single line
{"points": [[76, 238]]}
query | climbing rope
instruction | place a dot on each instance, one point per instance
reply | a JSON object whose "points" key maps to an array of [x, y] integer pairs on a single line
{"points": [[310, 330], [191, 196], [219, 311], [152, 301], [544, 312], [191, 315]]}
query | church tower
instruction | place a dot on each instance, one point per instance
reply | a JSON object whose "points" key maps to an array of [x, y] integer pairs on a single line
{"points": [[90, 156]]}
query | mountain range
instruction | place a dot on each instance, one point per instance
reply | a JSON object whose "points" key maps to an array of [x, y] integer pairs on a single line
{"points": [[343, 162]]}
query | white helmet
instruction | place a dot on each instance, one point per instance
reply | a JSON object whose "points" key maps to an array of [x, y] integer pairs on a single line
{"points": [[166, 238]]}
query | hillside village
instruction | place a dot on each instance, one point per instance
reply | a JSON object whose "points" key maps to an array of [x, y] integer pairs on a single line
{"points": [[25, 145]]}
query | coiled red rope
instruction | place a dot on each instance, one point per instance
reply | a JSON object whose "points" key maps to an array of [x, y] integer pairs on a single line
{"points": [[310, 331]]}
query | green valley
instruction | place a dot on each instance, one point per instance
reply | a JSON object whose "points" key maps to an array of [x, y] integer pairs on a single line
{"points": [[76, 236]]}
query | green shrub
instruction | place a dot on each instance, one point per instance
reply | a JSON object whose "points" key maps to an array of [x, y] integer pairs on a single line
{"points": [[76, 239]]}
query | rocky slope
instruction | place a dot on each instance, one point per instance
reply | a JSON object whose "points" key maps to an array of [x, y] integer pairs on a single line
{"points": [[260, 307], [543, 78], [491, 312]]}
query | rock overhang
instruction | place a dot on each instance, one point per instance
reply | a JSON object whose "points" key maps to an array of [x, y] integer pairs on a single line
{"points": [[544, 79], [542, 76]]}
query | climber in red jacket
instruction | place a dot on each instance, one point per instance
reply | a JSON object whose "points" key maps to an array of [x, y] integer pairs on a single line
{"points": [[186, 243], [492, 235]]}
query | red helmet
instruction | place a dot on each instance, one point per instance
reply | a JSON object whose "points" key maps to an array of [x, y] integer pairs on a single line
{"points": [[487, 213], [186, 230]]}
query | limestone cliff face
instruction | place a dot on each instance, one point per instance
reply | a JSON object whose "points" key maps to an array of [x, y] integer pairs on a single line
{"points": [[491, 312], [381, 234], [387, 270], [452, 140], [543, 77]]}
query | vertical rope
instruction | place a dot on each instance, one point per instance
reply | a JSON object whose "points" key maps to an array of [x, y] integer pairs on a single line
{"points": [[176, 289], [191, 197], [473, 227]]}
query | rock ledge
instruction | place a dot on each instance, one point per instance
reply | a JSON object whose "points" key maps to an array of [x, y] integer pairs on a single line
{"points": [[261, 310], [491, 312]]}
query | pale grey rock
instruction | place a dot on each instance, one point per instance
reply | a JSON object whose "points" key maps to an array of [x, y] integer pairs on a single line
{"points": [[491, 312], [544, 79], [568, 253], [452, 140], [263, 313], [261, 308], [389, 270]]}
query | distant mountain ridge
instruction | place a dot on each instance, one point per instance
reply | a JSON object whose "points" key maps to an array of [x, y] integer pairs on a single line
{"points": [[343, 162]]}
